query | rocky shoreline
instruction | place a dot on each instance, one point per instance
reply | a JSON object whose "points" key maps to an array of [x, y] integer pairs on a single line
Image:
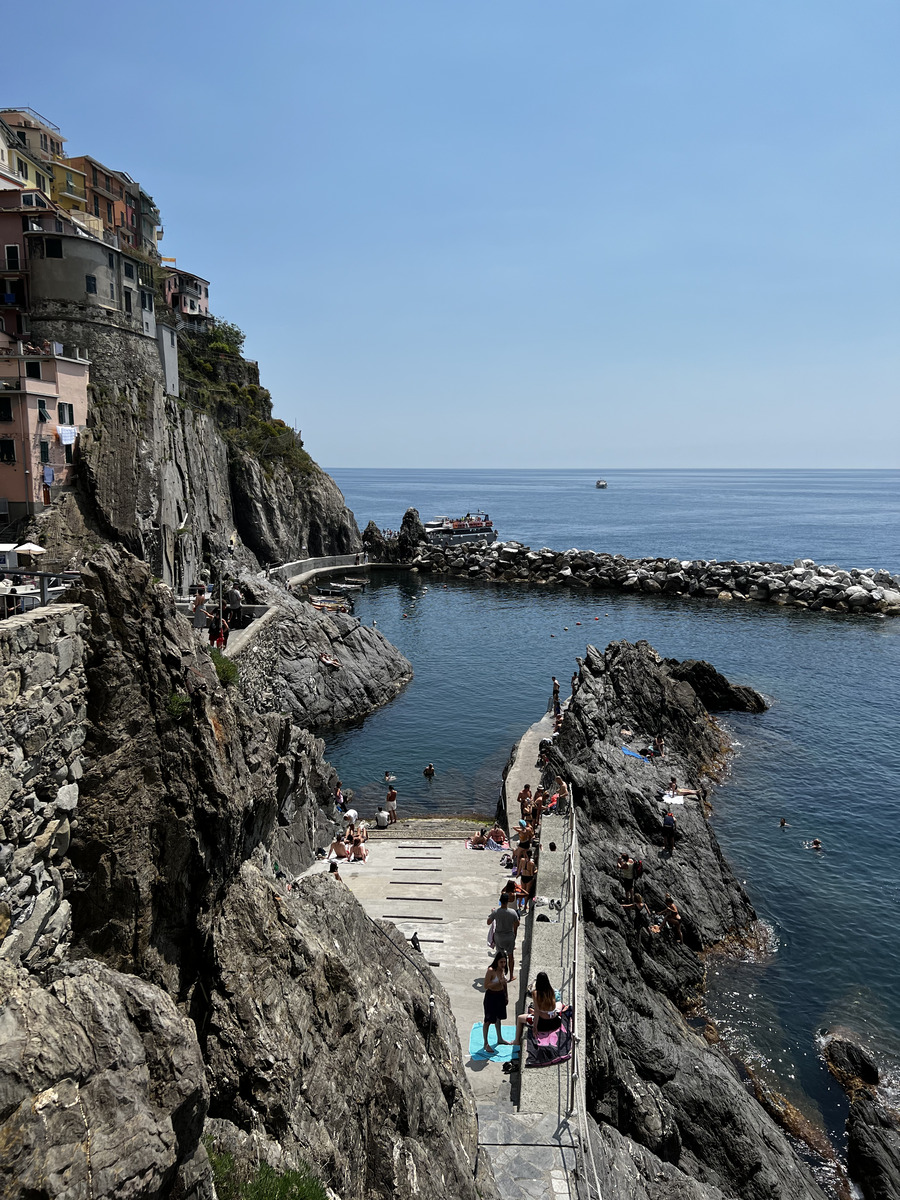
{"points": [[802, 584], [675, 1117]]}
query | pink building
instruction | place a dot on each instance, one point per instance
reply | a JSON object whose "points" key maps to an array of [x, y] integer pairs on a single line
{"points": [[43, 408], [188, 296]]}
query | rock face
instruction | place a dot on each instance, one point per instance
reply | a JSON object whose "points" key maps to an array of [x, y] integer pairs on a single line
{"points": [[282, 669], [713, 690], [802, 585], [321, 1033], [672, 1108], [199, 975], [103, 1088], [159, 476], [42, 709], [873, 1125]]}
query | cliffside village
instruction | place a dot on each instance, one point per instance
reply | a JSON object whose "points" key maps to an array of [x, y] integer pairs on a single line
{"points": [[77, 239]]}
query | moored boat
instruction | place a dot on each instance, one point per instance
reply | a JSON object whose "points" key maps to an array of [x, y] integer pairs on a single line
{"points": [[601, 483], [449, 531]]}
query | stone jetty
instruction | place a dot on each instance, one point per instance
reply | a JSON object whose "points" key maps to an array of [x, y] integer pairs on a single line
{"points": [[802, 584]]}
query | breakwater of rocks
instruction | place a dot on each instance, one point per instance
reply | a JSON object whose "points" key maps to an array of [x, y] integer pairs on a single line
{"points": [[801, 584]]}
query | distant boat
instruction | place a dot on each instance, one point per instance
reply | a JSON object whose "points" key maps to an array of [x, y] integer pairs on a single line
{"points": [[601, 483]]}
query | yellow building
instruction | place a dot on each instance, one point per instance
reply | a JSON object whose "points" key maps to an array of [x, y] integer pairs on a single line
{"points": [[40, 149]]}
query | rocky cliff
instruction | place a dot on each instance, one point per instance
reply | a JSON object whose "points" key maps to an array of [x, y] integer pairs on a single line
{"points": [[675, 1118], [182, 482], [196, 983]]}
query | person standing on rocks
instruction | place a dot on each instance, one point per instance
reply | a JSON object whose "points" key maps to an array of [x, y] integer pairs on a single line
{"points": [[506, 927], [391, 805], [555, 687], [233, 603], [669, 829], [643, 924], [574, 682], [673, 919], [625, 866]]}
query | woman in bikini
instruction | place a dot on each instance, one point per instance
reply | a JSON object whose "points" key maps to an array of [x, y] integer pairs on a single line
{"points": [[496, 998], [544, 1009]]}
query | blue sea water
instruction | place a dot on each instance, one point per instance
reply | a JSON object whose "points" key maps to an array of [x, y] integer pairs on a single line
{"points": [[824, 756]]}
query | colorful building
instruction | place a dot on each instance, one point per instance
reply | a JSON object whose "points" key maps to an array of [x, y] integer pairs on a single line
{"points": [[43, 408], [188, 296], [38, 142]]}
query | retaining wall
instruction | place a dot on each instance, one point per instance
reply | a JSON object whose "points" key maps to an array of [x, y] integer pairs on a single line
{"points": [[42, 714]]}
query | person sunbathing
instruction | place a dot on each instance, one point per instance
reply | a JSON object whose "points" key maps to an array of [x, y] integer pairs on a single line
{"points": [[339, 849], [358, 852], [478, 841], [544, 1010], [497, 835]]}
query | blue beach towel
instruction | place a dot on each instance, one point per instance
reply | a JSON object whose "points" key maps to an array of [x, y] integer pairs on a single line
{"points": [[497, 1053], [632, 754]]}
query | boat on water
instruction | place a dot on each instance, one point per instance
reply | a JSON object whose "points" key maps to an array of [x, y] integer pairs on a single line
{"points": [[452, 531], [601, 483]]}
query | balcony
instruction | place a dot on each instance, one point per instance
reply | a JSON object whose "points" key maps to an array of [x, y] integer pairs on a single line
{"points": [[71, 191]]}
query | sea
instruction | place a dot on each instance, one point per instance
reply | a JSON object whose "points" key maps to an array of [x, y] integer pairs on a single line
{"points": [[824, 757]]}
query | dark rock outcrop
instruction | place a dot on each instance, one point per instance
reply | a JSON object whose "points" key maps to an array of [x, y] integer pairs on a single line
{"points": [[680, 1115], [713, 690], [411, 536], [873, 1125]]}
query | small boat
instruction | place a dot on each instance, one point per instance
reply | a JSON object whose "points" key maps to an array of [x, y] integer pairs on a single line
{"points": [[452, 531], [601, 483]]}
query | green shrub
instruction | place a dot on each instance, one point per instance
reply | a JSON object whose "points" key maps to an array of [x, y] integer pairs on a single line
{"points": [[240, 1181], [177, 705], [226, 670]]}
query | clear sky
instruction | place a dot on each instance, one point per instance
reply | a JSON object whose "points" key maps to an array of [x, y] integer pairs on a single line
{"points": [[591, 233]]}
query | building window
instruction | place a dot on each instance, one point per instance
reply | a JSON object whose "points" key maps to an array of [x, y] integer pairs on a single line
{"points": [[129, 270], [110, 220], [43, 415], [172, 337], [53, 247], [128, 300], [96, 206], [66, 413], [108, 183], [90, 284], [33, 370], [193, 306], [45, 452], [67, 451], [59, 226], [7, 450], [95, 178], [146, 301], [12, 258], [22, 167], [44, 142], [40, 181], [112, 291], [111, 260], [6, 408], [28, 201]]}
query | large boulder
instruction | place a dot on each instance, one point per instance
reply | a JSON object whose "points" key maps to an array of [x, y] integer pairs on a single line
{"points": [[714, 691], [103, 1089]]}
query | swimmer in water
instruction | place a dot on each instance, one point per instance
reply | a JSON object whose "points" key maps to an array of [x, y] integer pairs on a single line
{"points": [[782, 824], [815, 844]]}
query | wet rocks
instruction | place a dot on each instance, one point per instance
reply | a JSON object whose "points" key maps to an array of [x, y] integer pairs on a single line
{"points": [[713, 690], [674, 1116], [873, 1124]]}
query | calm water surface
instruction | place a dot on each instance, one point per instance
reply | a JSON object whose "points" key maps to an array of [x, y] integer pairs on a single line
{"points": [[824, 755]]}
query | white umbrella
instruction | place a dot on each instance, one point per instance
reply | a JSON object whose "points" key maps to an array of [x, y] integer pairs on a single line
{"points": [[30, 548]]}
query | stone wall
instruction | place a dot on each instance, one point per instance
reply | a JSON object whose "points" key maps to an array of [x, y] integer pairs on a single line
{"points": [[42, 711]]}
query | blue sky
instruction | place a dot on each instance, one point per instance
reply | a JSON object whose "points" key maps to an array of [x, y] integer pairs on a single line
{"points": [[516, 234]]}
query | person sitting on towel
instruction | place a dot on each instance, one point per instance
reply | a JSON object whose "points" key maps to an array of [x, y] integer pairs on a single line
{"points": [[544, 1011]]}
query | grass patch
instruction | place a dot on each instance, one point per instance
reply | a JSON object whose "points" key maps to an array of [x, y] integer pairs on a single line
{"points": [[242, 1181], [177, 705], [226, 670]]}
